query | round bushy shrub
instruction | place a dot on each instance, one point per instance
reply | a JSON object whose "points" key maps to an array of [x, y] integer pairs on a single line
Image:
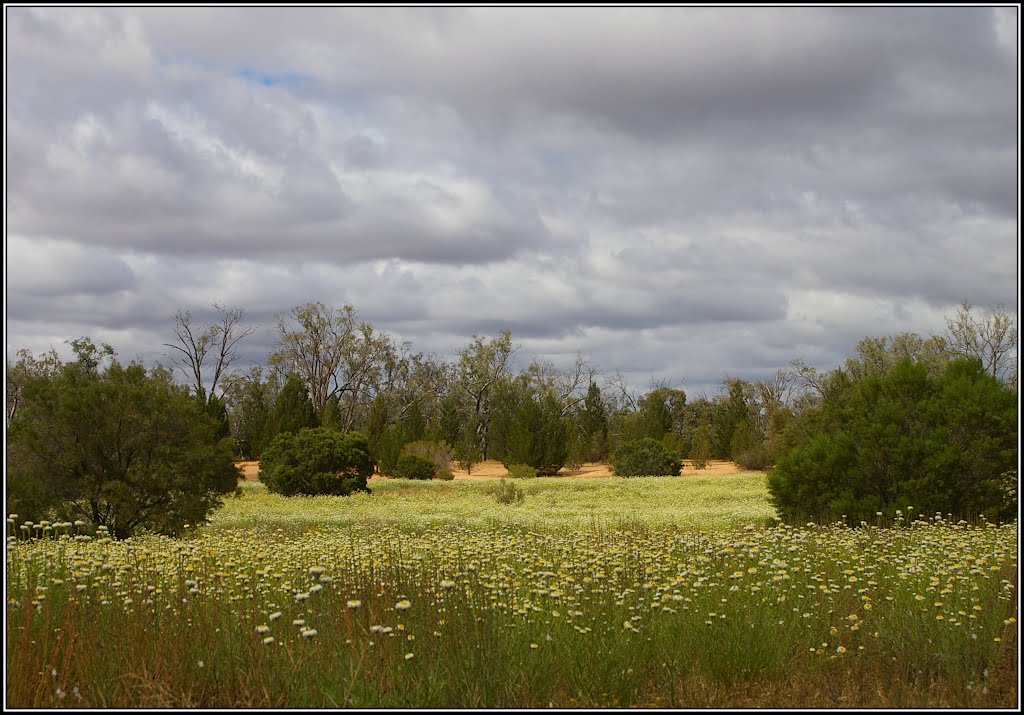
{"points": [[445, 475], [942, 443], [521, 471], [645, 457], [413, 466], [316, 461]]}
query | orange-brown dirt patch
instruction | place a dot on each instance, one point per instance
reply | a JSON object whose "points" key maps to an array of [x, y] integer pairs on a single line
{"points": [[493, 469], [251, 470]]}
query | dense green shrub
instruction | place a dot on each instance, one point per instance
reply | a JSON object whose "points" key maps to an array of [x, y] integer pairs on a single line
{"points": [[521, 471], [445, 475], [121, 447], [907, 437], [316, 461], [413, 466], [645, 457]]}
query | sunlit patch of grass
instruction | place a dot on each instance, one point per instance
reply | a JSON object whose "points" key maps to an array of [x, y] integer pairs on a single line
{"points": [[551, 503]]}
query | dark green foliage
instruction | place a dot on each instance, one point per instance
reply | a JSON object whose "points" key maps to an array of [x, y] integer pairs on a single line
{"points": [[904, 437], [645, 457], [331, 415], [413, 466], [655, 418], [218, 412], [124, 447], [445, 475], [504, 399], [294, 410], [539, 437], [316, 461], [381, 449], [593, 426], [388, 449]]}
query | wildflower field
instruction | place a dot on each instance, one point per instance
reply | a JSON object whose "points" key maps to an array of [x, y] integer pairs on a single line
{"points": [[655, 592]]}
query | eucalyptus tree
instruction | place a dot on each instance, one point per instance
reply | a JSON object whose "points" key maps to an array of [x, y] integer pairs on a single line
{"points": [[481, 365], [338, 357], [989, 336], [24, 369]]}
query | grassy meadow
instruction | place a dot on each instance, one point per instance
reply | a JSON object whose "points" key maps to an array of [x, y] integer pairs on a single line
{"points": [[602, 592], [702, 502]]}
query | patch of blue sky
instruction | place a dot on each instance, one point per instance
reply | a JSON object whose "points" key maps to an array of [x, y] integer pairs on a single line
{"points": [[268, 79], [557, 163]]}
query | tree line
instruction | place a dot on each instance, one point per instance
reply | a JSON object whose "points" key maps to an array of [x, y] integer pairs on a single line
{"points": [[330, 370]]}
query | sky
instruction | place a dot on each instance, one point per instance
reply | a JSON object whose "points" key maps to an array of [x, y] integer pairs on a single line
{"points": [[679, 194]]}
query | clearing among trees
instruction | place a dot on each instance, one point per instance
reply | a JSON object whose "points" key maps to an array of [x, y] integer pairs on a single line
{"points": [[493, 469]]}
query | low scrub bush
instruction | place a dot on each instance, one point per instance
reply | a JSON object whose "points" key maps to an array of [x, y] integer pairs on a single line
{"points": [[413, 466], [437, 452], [645, 457], [445, 475], [756, 457], [521, 471], [508, 493]]}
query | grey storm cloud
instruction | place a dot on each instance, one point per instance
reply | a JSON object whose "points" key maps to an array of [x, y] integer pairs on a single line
{"points": [[673, 191]]}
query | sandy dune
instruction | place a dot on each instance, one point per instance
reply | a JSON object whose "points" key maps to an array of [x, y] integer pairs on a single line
{"points": [[493, 469]]}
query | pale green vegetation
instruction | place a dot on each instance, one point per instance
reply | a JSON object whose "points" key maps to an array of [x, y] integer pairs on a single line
{"points": [[551, 503], [664, 592]]}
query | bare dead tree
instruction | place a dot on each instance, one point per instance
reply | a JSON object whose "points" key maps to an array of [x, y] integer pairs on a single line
{"points": [[213, 346], [616, 384], [777, 391]]}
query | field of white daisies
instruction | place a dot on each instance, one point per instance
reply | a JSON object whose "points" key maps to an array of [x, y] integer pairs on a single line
{"points": [[648, 592]]}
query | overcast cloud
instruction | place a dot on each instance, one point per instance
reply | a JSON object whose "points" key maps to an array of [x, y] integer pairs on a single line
{"points": [[677, 193]]}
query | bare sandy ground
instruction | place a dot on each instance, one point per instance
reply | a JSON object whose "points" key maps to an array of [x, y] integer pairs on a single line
{"points": [[493, 469]]}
